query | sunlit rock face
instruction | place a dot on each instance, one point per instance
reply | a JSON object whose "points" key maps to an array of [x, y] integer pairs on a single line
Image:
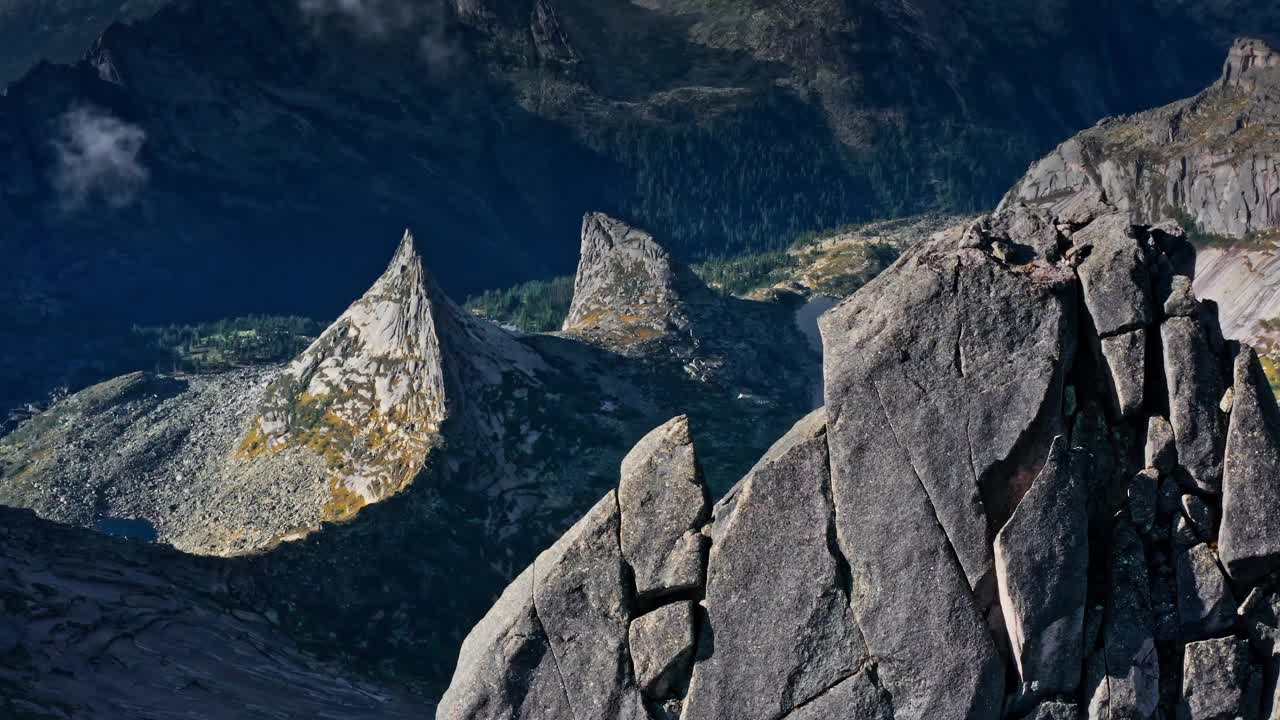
{"points": [[999, 514]]}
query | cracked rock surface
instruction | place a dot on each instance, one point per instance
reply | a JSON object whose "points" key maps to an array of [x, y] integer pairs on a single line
{"points": [[987, 520]]}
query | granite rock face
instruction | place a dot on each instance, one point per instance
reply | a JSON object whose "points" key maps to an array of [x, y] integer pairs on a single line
{"points": [[973, 527], [664, 504], [1211, 158], [1251, 476]]}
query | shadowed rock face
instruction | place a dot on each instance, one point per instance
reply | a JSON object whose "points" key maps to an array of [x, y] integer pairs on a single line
{"points": [[96, 628], [969, 529]]}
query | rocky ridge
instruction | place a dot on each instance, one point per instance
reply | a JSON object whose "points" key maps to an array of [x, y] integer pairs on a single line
{"points": [[1211, 160], [1037, 490]]}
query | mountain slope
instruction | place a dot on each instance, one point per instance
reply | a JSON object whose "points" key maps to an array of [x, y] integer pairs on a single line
{"points": [[92, 627]]}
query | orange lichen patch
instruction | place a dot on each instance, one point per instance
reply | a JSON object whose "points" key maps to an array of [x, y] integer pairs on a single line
{"points": [[343, 504], [254, 444]]}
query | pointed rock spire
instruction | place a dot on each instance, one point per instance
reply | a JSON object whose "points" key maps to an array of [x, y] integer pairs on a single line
{"points": [[628, 287], [371, 394], [1248, 56]]}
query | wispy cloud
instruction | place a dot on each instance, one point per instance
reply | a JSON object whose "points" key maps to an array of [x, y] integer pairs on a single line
{"points": [[97, 159], [379, 19]]}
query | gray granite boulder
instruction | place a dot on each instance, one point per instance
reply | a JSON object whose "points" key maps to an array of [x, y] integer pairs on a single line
{"points": [[1142, 499], [777, 598], [506, 668], [1217, 681], [1124, 362], [1249, 539], [859, 696], [664, 504], [1042, 562], [1181, 301], [1114, 277], [1205, 603], [1195, 387], [662, 645]]}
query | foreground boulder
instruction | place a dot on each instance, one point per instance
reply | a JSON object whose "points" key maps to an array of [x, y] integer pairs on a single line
{"points": [[991, 518]]}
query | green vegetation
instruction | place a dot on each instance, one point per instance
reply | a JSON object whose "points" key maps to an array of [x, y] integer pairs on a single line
{"points": [[742, 274], [536, 306], [227, 344]]}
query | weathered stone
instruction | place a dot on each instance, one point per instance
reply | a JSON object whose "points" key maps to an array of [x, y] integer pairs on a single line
{"points": [[661, 644], [1124, 360], [582, 601], [1184, 533], [1114, 276], [1042, 563], [506, 668], [1200, 515], [1195, 386], [1205, 603], [1216, 680], [859, 696], [1181, 301], [777, 597], [1160, 451], [664, 504], [1123, 676], [1055, 711], [951, 349], [1250, 536], [1142, 499]]}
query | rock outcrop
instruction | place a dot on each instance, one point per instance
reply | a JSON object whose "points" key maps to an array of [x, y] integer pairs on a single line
{"points": [[235, 463], [973, 527], [1211, 159]]}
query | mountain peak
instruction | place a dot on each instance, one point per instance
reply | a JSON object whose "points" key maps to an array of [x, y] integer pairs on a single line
{"points": [[1246, 59], [628, 286], [372, 393]]}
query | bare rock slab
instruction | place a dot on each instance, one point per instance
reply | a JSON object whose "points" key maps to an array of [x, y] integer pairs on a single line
{"points": [[1124, 359], [506, 668], [1117, 288], [1160, 452], [582, 600], [1042, 563], [1123, 676], [662, 645], [1249, 538], [1205, 603], [860, 696], [1195, 387], [777, 598], [664, 503], [1217, 680]]}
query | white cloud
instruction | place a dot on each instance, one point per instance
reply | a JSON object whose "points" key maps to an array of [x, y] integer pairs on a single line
{"points": [[377, 19], [97, 159]]}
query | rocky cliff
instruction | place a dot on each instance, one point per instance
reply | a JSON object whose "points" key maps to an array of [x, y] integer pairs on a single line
{"points": [[1041, 487], [1211, 160]]}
